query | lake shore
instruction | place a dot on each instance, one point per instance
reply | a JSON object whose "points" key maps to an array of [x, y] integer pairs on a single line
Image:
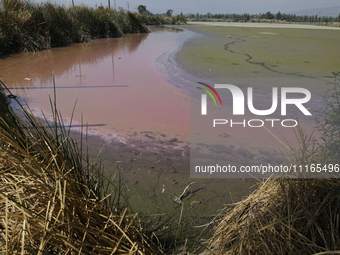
{"points": [[151, 172], [263, 56], [154, 169], [151, 160], [160, 168]]}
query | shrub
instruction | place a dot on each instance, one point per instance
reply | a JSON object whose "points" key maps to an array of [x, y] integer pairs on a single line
{"points": [[162, 20], [135, 24], [178, 20]]}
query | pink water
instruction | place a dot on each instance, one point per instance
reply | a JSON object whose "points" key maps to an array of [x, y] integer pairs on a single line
{"points": [[120, 91], [115, 83]]}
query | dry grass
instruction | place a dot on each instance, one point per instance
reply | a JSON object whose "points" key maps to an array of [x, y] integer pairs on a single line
{"points": [[270, 21], [330, 24], [284, 216], [54, 202]]}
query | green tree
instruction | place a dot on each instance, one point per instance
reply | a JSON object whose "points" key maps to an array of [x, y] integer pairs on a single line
{"points": [[269, 15], [141, 9], [324, 19], [169, 12], [246, 17], [279, 16]]}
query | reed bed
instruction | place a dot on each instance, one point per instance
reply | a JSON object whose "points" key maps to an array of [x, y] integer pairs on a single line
{"points": [[28, 26], [52, 199]]}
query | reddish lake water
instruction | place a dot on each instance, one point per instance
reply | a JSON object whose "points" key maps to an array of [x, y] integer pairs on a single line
{"points": [[124, 87], [115, 81]]}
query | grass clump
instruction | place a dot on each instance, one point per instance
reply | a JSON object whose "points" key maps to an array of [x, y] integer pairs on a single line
{"points": [[283, 216], [52, 200], [178, 20], [27, 26]]}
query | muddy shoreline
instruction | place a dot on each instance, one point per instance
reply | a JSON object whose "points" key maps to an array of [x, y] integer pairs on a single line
{"points": [[152, 173]]}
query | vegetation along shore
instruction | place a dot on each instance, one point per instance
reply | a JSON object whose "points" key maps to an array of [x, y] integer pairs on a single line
{"points": [[267, 17], [28, 26]]}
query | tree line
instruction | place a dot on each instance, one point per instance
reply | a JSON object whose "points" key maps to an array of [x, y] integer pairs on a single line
{"points": [[268, 15]]}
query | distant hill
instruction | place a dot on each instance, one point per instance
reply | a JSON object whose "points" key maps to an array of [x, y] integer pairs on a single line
{"points": [[327, 11]]}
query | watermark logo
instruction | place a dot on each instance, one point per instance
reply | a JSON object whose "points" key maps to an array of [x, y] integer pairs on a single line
{"points": [[239, 101], [239, 104], [204, 97]]}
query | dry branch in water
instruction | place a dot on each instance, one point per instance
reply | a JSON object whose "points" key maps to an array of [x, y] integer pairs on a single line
{"points": [[179, 199]]}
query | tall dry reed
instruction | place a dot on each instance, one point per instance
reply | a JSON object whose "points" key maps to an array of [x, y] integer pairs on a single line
{"points": [[52, 200]]}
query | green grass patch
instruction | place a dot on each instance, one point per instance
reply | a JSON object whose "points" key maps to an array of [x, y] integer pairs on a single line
{"points": [[233, 52]]}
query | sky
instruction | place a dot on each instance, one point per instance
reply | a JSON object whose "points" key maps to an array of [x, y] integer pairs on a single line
{"points": [[212, 6]]}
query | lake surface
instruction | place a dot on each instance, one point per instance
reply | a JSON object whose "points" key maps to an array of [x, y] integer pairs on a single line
{"points": [[116, 84], [133, 87]]}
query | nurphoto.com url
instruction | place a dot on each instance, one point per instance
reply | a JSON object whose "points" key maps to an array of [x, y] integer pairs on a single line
{"points": [[268, 169]]}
